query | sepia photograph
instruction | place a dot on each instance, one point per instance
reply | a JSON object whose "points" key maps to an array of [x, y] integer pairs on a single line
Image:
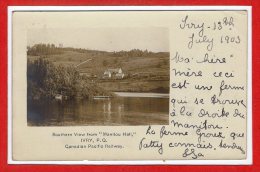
{"points": [[98, 76]]}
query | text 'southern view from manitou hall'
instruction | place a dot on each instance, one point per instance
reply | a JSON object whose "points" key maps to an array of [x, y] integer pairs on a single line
{"points": [[97, 76]]}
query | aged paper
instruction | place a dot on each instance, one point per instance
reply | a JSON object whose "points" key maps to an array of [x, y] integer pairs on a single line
{"points": [[129, 85]]}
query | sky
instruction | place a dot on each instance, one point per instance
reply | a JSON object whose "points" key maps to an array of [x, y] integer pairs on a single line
{"points": [[154, 39]]}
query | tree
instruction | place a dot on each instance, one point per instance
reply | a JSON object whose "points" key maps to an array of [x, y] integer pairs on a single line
{"points": [[47, 80]]}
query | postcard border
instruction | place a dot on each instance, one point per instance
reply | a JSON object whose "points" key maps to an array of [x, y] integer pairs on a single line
{"points": [[247, 161]]}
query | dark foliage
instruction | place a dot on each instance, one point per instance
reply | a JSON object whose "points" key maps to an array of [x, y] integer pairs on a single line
{"points": [[46, 80], [43, 49]]}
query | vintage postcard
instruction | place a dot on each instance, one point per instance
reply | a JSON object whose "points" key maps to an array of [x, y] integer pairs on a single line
{"points": [[127, 86]]}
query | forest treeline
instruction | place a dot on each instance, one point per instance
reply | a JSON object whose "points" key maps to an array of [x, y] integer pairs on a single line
{"points": [[51, 49], [43, 49], [138, 53]]}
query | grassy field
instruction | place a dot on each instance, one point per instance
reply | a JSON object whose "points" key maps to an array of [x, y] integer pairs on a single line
{"points": [[136, 86], [156, 65]]}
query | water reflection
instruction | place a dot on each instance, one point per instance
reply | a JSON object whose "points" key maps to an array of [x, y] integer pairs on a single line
{"points": [[115, 111], [107, 111]]}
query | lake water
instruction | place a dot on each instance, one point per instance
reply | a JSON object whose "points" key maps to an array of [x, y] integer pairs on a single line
{"points": [[126, 109]]}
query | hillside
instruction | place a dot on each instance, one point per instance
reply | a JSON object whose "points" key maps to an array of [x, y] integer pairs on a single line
{"points": [[149, 67]]}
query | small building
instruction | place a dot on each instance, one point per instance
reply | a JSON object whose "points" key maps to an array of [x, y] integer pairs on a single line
{"points": [[119, 75], [58, 97], [107, 74], [113, 74]]}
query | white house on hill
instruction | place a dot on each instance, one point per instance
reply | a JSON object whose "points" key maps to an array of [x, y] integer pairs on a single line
{"points": [[113, 74]]}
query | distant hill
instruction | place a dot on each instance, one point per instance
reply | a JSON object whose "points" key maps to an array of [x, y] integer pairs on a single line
{"points": [[143, 71], [131, 62]]}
